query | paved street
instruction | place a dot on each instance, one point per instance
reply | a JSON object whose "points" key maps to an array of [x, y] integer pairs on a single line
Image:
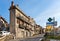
{"points": [[28, 39], [54, 40], [36, 38], [32, 39]]}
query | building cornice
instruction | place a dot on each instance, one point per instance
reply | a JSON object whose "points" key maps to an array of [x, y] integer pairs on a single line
{"points": [[3, 19], [16, 7]]}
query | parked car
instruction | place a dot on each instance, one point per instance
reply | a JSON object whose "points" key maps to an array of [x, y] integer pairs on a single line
{"points": [[2, 33]]}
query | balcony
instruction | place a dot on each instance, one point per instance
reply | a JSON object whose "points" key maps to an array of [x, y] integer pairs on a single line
{"points": [[37, 28], [23, 19], [20, 17], [21, 26]]}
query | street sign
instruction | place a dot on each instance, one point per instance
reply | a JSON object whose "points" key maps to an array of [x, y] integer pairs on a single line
{"points": [[52, 23], [55, 23], [50, 19]]}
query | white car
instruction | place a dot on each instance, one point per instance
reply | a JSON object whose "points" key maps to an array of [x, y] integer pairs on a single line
{"points": [[2, 33]]}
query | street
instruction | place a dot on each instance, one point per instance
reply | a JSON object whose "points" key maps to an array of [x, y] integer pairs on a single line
{"points": [[35, 38]]}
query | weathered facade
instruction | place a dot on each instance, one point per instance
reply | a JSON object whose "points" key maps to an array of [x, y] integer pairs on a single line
{"points": [[21, 25], [38, 29], [3, 24]]}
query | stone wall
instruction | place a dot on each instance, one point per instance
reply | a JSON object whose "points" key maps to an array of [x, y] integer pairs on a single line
{"points": [[6, 38]]}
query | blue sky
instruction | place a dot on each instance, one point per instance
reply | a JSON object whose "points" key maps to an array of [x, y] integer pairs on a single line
{"points": [[40, 10]]}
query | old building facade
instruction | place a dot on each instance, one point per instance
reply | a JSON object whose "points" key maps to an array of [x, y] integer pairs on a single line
{"points": [[21, 25], [3, 23], [38, 29]]}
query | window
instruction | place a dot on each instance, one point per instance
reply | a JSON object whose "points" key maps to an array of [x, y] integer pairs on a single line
{"points": [[24, 24], [17, 21], [26, 33]]}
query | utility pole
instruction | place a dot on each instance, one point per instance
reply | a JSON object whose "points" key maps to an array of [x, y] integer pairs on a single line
{"points": [[53, 25]]}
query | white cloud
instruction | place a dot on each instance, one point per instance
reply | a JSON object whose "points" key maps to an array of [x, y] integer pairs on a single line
{"points": [[52, 11]]}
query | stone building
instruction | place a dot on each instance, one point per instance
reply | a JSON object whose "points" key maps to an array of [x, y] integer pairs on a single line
{"points": [[3, 24], [21, 25], [38, 29], [57, 31]]}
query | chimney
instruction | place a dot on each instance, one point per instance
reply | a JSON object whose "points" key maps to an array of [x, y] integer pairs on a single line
{"points": [[12, 3]]}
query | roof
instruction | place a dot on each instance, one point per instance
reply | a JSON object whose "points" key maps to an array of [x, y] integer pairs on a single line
{"points": [[3, 19], [16, 7]]}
